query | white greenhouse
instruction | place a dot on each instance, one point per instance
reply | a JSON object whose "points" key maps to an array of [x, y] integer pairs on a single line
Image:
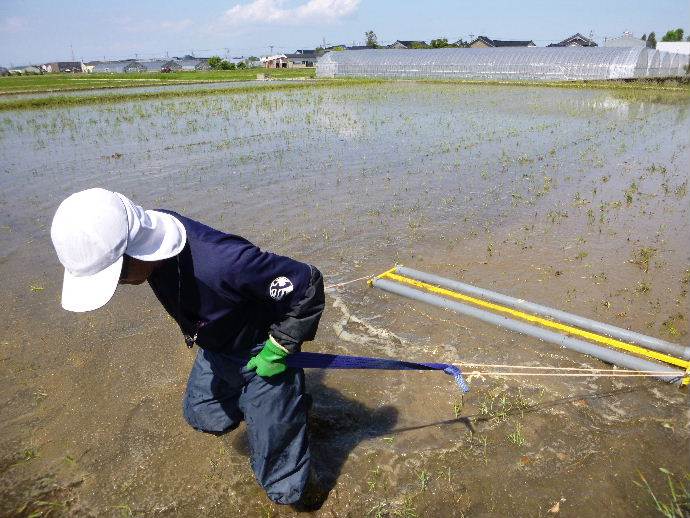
{"points": [[547, 64]]}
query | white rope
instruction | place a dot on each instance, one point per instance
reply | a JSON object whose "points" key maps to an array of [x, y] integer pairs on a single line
{"points": [[541, 367], [638, 374], [333, 286]]}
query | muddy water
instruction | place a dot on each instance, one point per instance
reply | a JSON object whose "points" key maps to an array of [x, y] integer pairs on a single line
{"points": [[546, 194]]}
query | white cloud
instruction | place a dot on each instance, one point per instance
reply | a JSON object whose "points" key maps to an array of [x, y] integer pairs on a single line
{"points": [[274, 12]]}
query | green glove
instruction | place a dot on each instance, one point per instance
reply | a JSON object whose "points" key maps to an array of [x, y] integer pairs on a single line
{"points": [[270, 360]]}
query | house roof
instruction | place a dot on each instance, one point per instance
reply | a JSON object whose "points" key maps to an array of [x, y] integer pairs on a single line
{"points": [[304, 54], [68, 65], [303, 57], [410, 43], [575, 39], [111, 66], [187, 63], [503, 43], [154, 65]]}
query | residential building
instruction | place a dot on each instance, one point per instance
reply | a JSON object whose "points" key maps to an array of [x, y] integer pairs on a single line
{"points": [[302, 59], [627, 40], [136, 66], [62, 66], [408, 44], [576, 40], [276, 61], [189, 63], [174, 65], [484, 42], [110, 67]]}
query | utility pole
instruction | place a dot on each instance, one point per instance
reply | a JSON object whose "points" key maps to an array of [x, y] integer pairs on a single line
{"points": [[271, 47], [166, 55], [227, 53], [71, 50]]}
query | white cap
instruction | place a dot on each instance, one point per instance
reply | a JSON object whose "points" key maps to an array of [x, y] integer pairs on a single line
{"points": [[93, 229]]}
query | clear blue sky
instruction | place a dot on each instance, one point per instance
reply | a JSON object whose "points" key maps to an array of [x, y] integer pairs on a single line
{"points": [[35, 31]]}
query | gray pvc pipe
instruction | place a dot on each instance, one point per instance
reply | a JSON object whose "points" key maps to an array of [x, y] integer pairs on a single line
{"points": [[650, 342], [608, 355]]}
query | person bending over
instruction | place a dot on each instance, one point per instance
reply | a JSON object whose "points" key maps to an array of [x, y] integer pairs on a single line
{"points": [[245, 308]]}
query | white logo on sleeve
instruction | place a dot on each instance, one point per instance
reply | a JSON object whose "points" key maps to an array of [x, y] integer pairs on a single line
{"points": [[280, 287]]}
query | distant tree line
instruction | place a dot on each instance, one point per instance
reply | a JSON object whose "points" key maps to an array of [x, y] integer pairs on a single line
{"points": [[218, 63], [442, 43]]}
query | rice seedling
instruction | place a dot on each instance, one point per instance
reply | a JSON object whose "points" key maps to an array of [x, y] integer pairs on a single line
{"points": [[675, 503]]}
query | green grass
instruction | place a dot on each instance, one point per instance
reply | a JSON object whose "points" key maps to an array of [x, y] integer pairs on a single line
{"points": [[62, 101], [66, 82]]}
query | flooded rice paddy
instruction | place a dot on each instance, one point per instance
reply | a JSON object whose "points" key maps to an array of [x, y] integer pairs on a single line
{"points": [[576, 199]]}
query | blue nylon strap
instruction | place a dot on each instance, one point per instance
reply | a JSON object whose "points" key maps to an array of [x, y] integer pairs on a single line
{"points": [[307, 360]]}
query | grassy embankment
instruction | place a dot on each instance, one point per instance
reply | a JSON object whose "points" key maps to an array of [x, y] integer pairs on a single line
{"points": [[61, 82]]}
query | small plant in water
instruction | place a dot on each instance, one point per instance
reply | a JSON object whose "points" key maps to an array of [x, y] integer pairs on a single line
{"points": [[671, 324], [29, 453], [457, 408], [642, 287], [516, 437], [423, 477], [676, 504], [630, 193], [642, 257]]}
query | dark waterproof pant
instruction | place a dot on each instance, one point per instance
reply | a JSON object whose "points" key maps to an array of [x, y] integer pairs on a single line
{"points": [[220, 393]]}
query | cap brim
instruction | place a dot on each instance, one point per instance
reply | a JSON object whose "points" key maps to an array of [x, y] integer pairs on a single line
{"points": [[90, 292]]}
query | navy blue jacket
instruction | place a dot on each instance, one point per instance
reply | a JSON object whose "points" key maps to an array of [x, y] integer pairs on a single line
{"points": [[227, 295]]}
